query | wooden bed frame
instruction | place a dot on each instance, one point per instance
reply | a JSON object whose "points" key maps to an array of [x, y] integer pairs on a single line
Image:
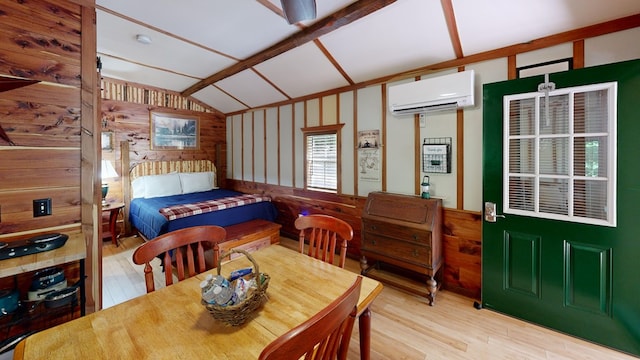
{"points": [[250, 235]]}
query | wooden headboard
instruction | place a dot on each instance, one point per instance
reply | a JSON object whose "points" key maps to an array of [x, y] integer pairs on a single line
{"points": [[166, 167]]}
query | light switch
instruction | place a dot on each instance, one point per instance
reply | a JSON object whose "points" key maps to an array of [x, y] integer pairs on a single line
{"points": [[41, 207]]}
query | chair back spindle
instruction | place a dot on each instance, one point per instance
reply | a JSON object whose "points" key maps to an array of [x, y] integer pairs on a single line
{"points": [[179, 246], [324, 233]]}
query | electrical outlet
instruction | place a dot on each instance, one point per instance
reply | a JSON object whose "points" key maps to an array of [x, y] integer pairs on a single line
{"points": [[41, 207]]}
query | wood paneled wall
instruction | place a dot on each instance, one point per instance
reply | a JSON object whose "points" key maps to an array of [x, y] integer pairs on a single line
{"points": [[461, 231], [50, 152], [128, 117], [41, 40]]}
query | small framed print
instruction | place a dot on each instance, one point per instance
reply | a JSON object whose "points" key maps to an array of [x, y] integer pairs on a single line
{"points": [[174, 132], [107, 140]]}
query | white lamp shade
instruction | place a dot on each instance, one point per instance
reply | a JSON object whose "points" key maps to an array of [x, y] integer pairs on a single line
{"points": [[108, 171]]}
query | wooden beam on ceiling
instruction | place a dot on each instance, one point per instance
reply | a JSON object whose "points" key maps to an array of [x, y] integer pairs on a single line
{"points": [[450, 18], [608, 27], [345, 16]]}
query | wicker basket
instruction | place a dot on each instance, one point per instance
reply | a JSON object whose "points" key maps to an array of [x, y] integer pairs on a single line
{"points": [[237, 314]]}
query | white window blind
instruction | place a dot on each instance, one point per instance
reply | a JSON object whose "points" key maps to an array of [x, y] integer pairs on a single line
{"points": [[560, 161], [322, 161]]}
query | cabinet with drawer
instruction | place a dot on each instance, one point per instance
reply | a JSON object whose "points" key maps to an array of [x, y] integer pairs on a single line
{"points": [[405, 232]]}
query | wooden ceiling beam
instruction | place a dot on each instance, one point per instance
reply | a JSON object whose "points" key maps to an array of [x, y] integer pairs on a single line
{"points": [[342, 17], [608, 27], [450, 18]]}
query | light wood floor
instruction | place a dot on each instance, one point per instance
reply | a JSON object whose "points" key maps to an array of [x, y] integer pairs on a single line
{"points": [[403, 325]]}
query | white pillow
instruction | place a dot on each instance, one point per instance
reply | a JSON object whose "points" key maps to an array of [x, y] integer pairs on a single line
{"points": [[138, 187], [162, 185], [196, 182]]}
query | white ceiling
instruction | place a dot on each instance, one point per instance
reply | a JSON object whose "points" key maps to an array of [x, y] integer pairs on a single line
{"points": [[194, 39]]}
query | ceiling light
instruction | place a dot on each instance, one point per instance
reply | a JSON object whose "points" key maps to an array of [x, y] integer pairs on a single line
{"points": [[143, 39], [298, 10]]}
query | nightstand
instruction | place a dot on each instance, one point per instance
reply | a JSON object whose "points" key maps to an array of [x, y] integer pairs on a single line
{"points": [[113, 209]]}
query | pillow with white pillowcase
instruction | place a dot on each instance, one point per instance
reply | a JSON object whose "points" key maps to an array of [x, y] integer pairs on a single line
{"points": [[196, 182], [162, 185], [138, 187]]}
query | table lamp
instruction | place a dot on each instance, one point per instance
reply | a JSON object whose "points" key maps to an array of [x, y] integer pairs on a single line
{"points": [[108, 172]]}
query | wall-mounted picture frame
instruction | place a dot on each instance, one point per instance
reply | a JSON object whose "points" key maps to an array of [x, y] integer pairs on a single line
{"points": [[174, 131], [107, 140]]}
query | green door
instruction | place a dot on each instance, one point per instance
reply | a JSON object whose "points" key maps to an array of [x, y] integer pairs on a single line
{"points": [[576, 277]]}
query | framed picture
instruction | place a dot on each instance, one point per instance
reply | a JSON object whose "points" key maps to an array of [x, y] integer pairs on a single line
{"points": [[107, 140], [174, 132]]}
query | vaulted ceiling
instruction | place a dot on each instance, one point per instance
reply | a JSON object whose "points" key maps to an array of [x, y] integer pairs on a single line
{"points": [[235, 55]]}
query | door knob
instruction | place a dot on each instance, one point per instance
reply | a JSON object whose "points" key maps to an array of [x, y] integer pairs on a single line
{"points": [[490, 212]]}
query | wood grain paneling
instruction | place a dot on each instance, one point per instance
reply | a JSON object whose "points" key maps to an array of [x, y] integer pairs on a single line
{"points": [[461, 240], [129, 121], [41, 115], [40, 41]]}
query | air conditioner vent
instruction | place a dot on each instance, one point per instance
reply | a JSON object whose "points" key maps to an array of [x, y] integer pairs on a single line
{"points": [[429, 95]]}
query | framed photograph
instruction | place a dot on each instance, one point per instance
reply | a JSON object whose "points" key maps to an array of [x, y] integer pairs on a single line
{"points": [[107, 140], [368, 139], [174, 132]]}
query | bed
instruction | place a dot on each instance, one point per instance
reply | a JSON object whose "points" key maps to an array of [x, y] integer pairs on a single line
{"points": [[169, 195]]}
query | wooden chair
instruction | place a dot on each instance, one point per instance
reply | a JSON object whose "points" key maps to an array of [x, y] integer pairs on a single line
{"points": [[323, 232], [180, 245], [324, 336]]}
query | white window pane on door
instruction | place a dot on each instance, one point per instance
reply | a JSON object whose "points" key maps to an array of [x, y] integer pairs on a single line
{"points": [[554, 156], [522, 117], [553, 197], [522, 156], [521, 193], [557, 121], [590, 199]]}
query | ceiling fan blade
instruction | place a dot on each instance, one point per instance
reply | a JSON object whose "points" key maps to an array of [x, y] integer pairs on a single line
{"points": [[298, 10]]}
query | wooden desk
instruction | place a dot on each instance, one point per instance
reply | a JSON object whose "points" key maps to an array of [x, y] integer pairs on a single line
{"points": [[171, 322], [114, 210]]}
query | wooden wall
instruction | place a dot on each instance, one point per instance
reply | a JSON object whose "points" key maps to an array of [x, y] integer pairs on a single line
{"points": [[461, 239], [40, 41], [47, 151], [125, 111]]}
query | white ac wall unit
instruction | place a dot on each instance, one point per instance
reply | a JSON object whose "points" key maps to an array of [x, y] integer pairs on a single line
{"points": [[433, 94]]}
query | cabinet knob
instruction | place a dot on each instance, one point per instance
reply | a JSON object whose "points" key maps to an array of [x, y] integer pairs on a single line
{"points": [[373, 242], [373, 227], [415, 253], [415, 236]]}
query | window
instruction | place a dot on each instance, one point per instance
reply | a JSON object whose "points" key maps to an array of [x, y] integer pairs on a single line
{"points": [[560, 157], [322, 158]]}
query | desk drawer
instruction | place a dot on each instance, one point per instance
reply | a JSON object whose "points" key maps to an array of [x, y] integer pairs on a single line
{"points": [[400, 250], [397, 231]]}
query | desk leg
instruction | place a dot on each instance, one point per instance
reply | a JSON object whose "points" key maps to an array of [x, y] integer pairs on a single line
{"points": [[113, 217], [364, 323]]}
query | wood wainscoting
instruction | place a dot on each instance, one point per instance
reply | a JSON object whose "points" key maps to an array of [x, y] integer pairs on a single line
{"points": [[461, 229]]}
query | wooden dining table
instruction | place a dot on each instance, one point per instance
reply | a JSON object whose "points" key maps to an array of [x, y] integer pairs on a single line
{"points": [[171, 323]]}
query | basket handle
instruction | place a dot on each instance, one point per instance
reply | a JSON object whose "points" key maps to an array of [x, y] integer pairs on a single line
{"points": [[245, 253]]}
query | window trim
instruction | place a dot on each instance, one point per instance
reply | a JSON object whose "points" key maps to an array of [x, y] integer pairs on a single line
{"points": [[611, 153], [324, 130]]}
